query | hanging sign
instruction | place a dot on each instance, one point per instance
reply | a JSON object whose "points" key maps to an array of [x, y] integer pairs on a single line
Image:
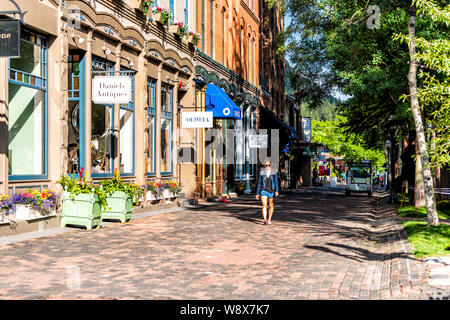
{"points": [[197, 119], [10, 38], [111, 90]]}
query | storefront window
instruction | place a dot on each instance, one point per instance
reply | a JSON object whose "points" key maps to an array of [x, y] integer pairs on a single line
{"points": [[26, 131], [126, 141], [151, 111], [166, 128], [27, 109], [101, 138], [127, 130], [76, 108], [102, 125], [165, 145]]}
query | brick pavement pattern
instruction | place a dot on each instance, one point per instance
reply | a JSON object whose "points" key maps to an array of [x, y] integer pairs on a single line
{"points": [[321, 245]]}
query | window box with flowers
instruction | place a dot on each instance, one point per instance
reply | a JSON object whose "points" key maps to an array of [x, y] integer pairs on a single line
{"points": [[82, 202], [7, 208], [193, 37], [141, 5], [154, 191], [173, 189], [120, 198], [162, 16], [178, 28], [34, 204]]}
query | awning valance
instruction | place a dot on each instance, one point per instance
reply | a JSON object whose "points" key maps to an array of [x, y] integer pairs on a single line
{"points": [[217, 101]]}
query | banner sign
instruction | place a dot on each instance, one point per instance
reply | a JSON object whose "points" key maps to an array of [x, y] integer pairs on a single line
{"points": [[111, 90], [197, 119], [306, 129], [10, 38], [258, 141]]}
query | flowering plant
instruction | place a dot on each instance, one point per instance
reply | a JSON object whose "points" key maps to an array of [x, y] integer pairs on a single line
{"points": [[173, 186], [156, 188], [196, 37], [166, 15], [76, 186], [146, 4], [183, 27], [42, 201], [6, 205], [117, 184]]}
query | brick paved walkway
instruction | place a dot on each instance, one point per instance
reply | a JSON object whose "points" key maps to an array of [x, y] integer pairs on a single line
{"points": [[321, 245]]}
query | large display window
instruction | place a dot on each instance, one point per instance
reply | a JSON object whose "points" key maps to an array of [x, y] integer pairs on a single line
{"points": [[166, 128], [27, 106]]}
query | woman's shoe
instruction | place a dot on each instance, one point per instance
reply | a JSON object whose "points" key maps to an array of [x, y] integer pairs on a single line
{"points": [[265, 221], [268, 222]]}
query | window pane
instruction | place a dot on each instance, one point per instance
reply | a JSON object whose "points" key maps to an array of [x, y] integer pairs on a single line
{"points": [[30, 60], [126, 141], [150, 144], [163, 98], [101, 139], [73, 138], [26, 131], [165, 145]]}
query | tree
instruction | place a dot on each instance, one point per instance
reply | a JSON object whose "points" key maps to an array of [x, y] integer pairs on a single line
{"points": [[331, 134], [374, 68]]}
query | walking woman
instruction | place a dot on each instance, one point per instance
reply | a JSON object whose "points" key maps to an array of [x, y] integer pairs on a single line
{"points": [[267, 189]]}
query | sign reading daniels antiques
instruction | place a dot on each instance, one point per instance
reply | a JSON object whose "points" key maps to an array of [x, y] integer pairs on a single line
{"points": [[111, 90], [197, 119], [10, 38]]}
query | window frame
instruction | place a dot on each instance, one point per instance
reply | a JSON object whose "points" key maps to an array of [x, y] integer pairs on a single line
{"points": [[43, 78]]}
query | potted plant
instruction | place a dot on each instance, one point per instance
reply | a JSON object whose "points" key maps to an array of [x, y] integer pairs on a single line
{"points": [[162, 16], [141, 5], [81, 202], [178, 28], [119, 198], [174, 188], [35, 204], [193, 37], [154, 191], [7, 208]]}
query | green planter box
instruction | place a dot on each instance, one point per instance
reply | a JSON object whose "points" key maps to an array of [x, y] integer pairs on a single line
{"points": [[82, 210], [119, 207]]}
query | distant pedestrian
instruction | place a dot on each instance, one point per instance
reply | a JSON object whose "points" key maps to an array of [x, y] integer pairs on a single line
{"points": [[267, 189]]}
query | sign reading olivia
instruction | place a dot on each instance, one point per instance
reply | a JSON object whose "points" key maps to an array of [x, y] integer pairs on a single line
{"points": [[111, 90], [197, 119]]}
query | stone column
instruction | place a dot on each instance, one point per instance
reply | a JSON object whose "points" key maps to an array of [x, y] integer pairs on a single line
{"points": [[175, 129], [140, 116]]}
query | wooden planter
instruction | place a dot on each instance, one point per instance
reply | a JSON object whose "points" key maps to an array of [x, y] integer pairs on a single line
{"points": [[119, 207], [157, 17], [175, 29], [82, 210], [136, 4]]}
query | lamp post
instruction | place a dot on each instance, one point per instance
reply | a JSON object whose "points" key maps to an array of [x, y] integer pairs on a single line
{"points": [[388, 165]]}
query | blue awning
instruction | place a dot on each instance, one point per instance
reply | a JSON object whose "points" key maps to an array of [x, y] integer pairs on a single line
{"points": [[217, 101]]}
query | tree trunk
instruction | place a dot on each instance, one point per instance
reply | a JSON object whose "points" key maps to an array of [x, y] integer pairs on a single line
{"points": [[419, 198], [430, 203]]}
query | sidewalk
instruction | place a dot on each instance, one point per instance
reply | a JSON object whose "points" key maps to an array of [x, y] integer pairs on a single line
{"points": [[142, 213]]}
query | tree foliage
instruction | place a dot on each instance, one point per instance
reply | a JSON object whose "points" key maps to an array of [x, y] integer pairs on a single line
{"points": [[332, 134]]}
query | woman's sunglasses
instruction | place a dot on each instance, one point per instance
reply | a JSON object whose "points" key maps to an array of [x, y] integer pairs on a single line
{"points": [[267, 165]]}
